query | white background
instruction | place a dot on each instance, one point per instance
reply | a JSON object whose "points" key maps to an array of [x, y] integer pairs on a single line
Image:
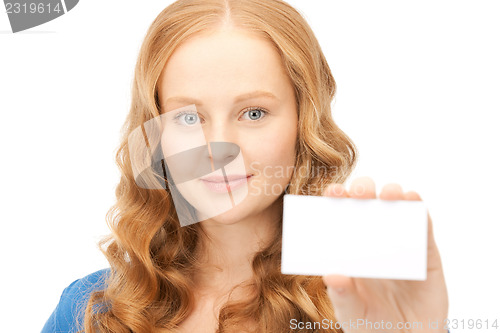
{"points": [[418, 92]]}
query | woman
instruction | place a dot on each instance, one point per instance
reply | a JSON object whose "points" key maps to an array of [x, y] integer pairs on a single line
{"points": [[241, 90]]}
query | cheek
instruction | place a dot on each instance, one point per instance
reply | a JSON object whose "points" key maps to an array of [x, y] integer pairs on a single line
{"points": [[275, 149]]}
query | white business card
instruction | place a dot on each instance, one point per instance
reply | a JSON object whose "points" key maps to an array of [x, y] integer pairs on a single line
{"points": [[369, 238]]}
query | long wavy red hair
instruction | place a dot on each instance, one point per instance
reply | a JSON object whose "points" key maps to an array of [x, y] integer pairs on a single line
{"points": [[151, 257]]}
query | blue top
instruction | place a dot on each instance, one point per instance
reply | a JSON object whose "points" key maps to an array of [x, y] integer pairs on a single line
{"points": [[68, 314]]}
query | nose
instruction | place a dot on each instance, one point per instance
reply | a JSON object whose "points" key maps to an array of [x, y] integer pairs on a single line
{"points": [[222, 149], [223, 153]]}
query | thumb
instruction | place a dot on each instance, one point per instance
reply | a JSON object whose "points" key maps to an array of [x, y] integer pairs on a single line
{"points": [[346, 300]]}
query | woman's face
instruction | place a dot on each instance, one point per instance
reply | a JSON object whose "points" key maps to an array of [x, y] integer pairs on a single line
{"points": [[228, 89]]}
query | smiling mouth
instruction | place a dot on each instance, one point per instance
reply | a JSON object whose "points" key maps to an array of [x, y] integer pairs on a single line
{"points": [[218, 184], [221, 179]]}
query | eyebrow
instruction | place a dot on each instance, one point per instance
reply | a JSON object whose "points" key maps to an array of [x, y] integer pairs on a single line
{"points": [[240, 98]]}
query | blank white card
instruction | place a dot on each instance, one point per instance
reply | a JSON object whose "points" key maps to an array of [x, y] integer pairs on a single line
{"points": [[368, 238]]}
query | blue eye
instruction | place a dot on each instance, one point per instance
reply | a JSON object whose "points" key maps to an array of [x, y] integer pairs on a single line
{"points": [[187, 118], [255, 114]]}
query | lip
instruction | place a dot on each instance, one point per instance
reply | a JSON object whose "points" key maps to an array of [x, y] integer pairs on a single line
{"points": [[220, 179], [217, 184]]}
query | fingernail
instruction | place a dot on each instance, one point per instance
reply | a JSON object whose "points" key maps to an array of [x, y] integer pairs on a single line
{"points": [[359, 189]]}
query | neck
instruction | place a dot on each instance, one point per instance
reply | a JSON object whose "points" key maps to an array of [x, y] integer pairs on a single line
{"points": [[226, 251]]}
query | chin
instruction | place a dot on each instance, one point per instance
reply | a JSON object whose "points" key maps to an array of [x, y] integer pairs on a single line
{"points": [[229, 217]]}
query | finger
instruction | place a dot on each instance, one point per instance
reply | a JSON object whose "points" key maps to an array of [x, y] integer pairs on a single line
{"points": [[344, 296], [336, 191], [362, 188], [412, 195], [391, 192]]}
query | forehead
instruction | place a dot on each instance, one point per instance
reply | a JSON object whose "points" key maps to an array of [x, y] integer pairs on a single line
{"points": [[223, 63]]}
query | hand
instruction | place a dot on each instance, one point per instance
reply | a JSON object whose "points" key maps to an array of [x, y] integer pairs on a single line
{"points": [[377, 300]]}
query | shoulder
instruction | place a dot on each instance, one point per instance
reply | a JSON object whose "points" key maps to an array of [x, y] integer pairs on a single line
{"points": [[87, 284], [70, 309]]}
